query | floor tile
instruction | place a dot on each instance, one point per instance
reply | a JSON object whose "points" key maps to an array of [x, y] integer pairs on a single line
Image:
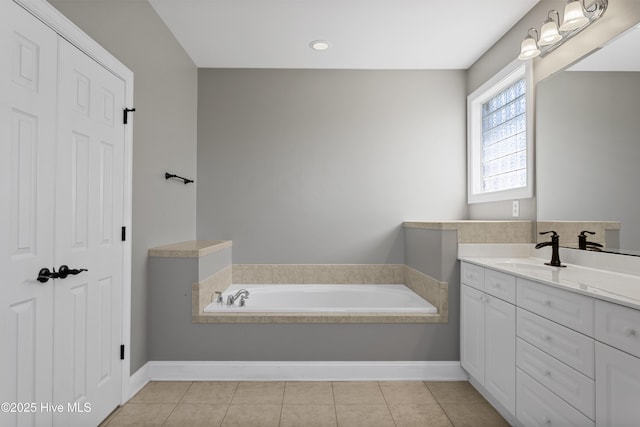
{"points": [[161, 392], [196, 415], [406, 392], [474, 415], [141, 415], [217, 392], [259, 392], [314, 392], [364, 416], [454, 392], [252, 416], [362, 392], [308, 415], [110, 417], [419, 416]]}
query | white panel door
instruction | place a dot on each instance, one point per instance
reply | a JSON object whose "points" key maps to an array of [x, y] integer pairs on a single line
{"points": [[27, 154], [89, 214], [472, 332], [500, 351]]}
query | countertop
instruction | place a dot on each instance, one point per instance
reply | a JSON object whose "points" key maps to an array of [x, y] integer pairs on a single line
{"points": [[618, 288]]}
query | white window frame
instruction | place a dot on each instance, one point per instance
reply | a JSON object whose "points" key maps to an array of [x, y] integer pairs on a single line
{"points": [[507, 76]]}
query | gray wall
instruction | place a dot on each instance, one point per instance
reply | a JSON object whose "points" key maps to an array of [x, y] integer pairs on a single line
{"points": [[322, 166], [620, 15], [588, 136], [435, 253], [164, 138]]}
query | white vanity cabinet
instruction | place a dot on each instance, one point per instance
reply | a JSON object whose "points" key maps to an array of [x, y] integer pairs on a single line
{"points": [[617, 365], [549, 355], [487, 332], [555, 356]]}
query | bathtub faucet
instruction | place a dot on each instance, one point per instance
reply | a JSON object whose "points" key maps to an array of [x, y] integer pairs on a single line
{"points": [[241, 293]]}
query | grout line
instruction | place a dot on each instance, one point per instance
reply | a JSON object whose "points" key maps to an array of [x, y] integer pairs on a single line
{"points": [[284, 389], [229, 404], [335, 407], [175, 405], [386, 404]]}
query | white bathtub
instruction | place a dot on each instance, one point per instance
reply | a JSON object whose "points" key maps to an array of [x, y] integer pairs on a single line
{"points": [[325, 299]]}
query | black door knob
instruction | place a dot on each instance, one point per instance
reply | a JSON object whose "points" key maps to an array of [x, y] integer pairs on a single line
{"points": [[65, 271], [45, 274]]}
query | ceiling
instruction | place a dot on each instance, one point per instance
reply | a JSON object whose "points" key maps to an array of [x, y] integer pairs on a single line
{"points": [[363, 34]]}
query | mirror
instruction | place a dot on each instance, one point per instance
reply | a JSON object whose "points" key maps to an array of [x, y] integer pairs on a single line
{"points": [[588, 141]]}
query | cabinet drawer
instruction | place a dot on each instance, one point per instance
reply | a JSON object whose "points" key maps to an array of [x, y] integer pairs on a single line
{"points": [[575, 388], [618, 326], [500, 285], [472, 275], [569, 309], [570, 347], [537, 406]]}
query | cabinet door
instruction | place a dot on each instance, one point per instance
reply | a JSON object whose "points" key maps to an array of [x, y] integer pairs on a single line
{"points": [[472, 339], [500, 352], [27, 152], [617, 387]]}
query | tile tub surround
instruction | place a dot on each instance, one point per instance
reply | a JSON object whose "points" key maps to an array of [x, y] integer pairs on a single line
{"points": [[209, 262], [524, 231], [293, 403], [190, 248], [337, 274], [569, 231], [470, 231], [432, 290]]}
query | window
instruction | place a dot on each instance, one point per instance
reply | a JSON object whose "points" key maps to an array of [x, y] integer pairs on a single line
{"points": [[499, 120]]}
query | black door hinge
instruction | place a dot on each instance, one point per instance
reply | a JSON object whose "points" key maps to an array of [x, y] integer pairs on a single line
{"points": [[122, 352], [125, 118], [124, 233]]}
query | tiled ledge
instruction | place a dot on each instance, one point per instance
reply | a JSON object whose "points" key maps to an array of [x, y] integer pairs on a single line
{"points": [[189, 249], [316, 318], [430, 289], [481, 231]]}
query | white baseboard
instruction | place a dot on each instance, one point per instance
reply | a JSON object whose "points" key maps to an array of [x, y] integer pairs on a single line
{"points": [[139, 379], [304, 371]]}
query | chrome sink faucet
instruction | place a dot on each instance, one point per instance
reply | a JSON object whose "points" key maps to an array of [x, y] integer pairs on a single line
{"points": [[555, 248], [242, 293]]}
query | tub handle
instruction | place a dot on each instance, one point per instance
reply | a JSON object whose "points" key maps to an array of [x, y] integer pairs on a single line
{"points": [[219, 296]]}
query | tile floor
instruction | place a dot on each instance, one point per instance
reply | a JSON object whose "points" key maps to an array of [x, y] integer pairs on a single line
{"points": [[307, 404]]}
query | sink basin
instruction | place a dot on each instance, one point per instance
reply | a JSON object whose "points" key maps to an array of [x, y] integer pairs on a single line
{"points": [[518, 265]]}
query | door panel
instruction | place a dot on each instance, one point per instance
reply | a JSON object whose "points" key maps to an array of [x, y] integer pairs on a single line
{"points": [[27, 151], [89, 211], [472, 338], [500, 351]]}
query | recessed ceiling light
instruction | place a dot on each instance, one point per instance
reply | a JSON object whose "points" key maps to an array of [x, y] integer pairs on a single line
{"points": [[319, 45]]}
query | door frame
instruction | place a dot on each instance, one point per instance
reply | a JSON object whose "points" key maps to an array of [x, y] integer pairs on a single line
{"points": [[69, 31]]}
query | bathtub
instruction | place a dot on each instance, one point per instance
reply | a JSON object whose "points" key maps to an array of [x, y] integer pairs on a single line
{"points": [[325, 299]]}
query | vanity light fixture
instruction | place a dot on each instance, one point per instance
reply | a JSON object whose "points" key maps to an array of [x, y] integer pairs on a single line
{"points": [[573, 16], [529, 48], [549, 33], [319, 45], [577, 17]]}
